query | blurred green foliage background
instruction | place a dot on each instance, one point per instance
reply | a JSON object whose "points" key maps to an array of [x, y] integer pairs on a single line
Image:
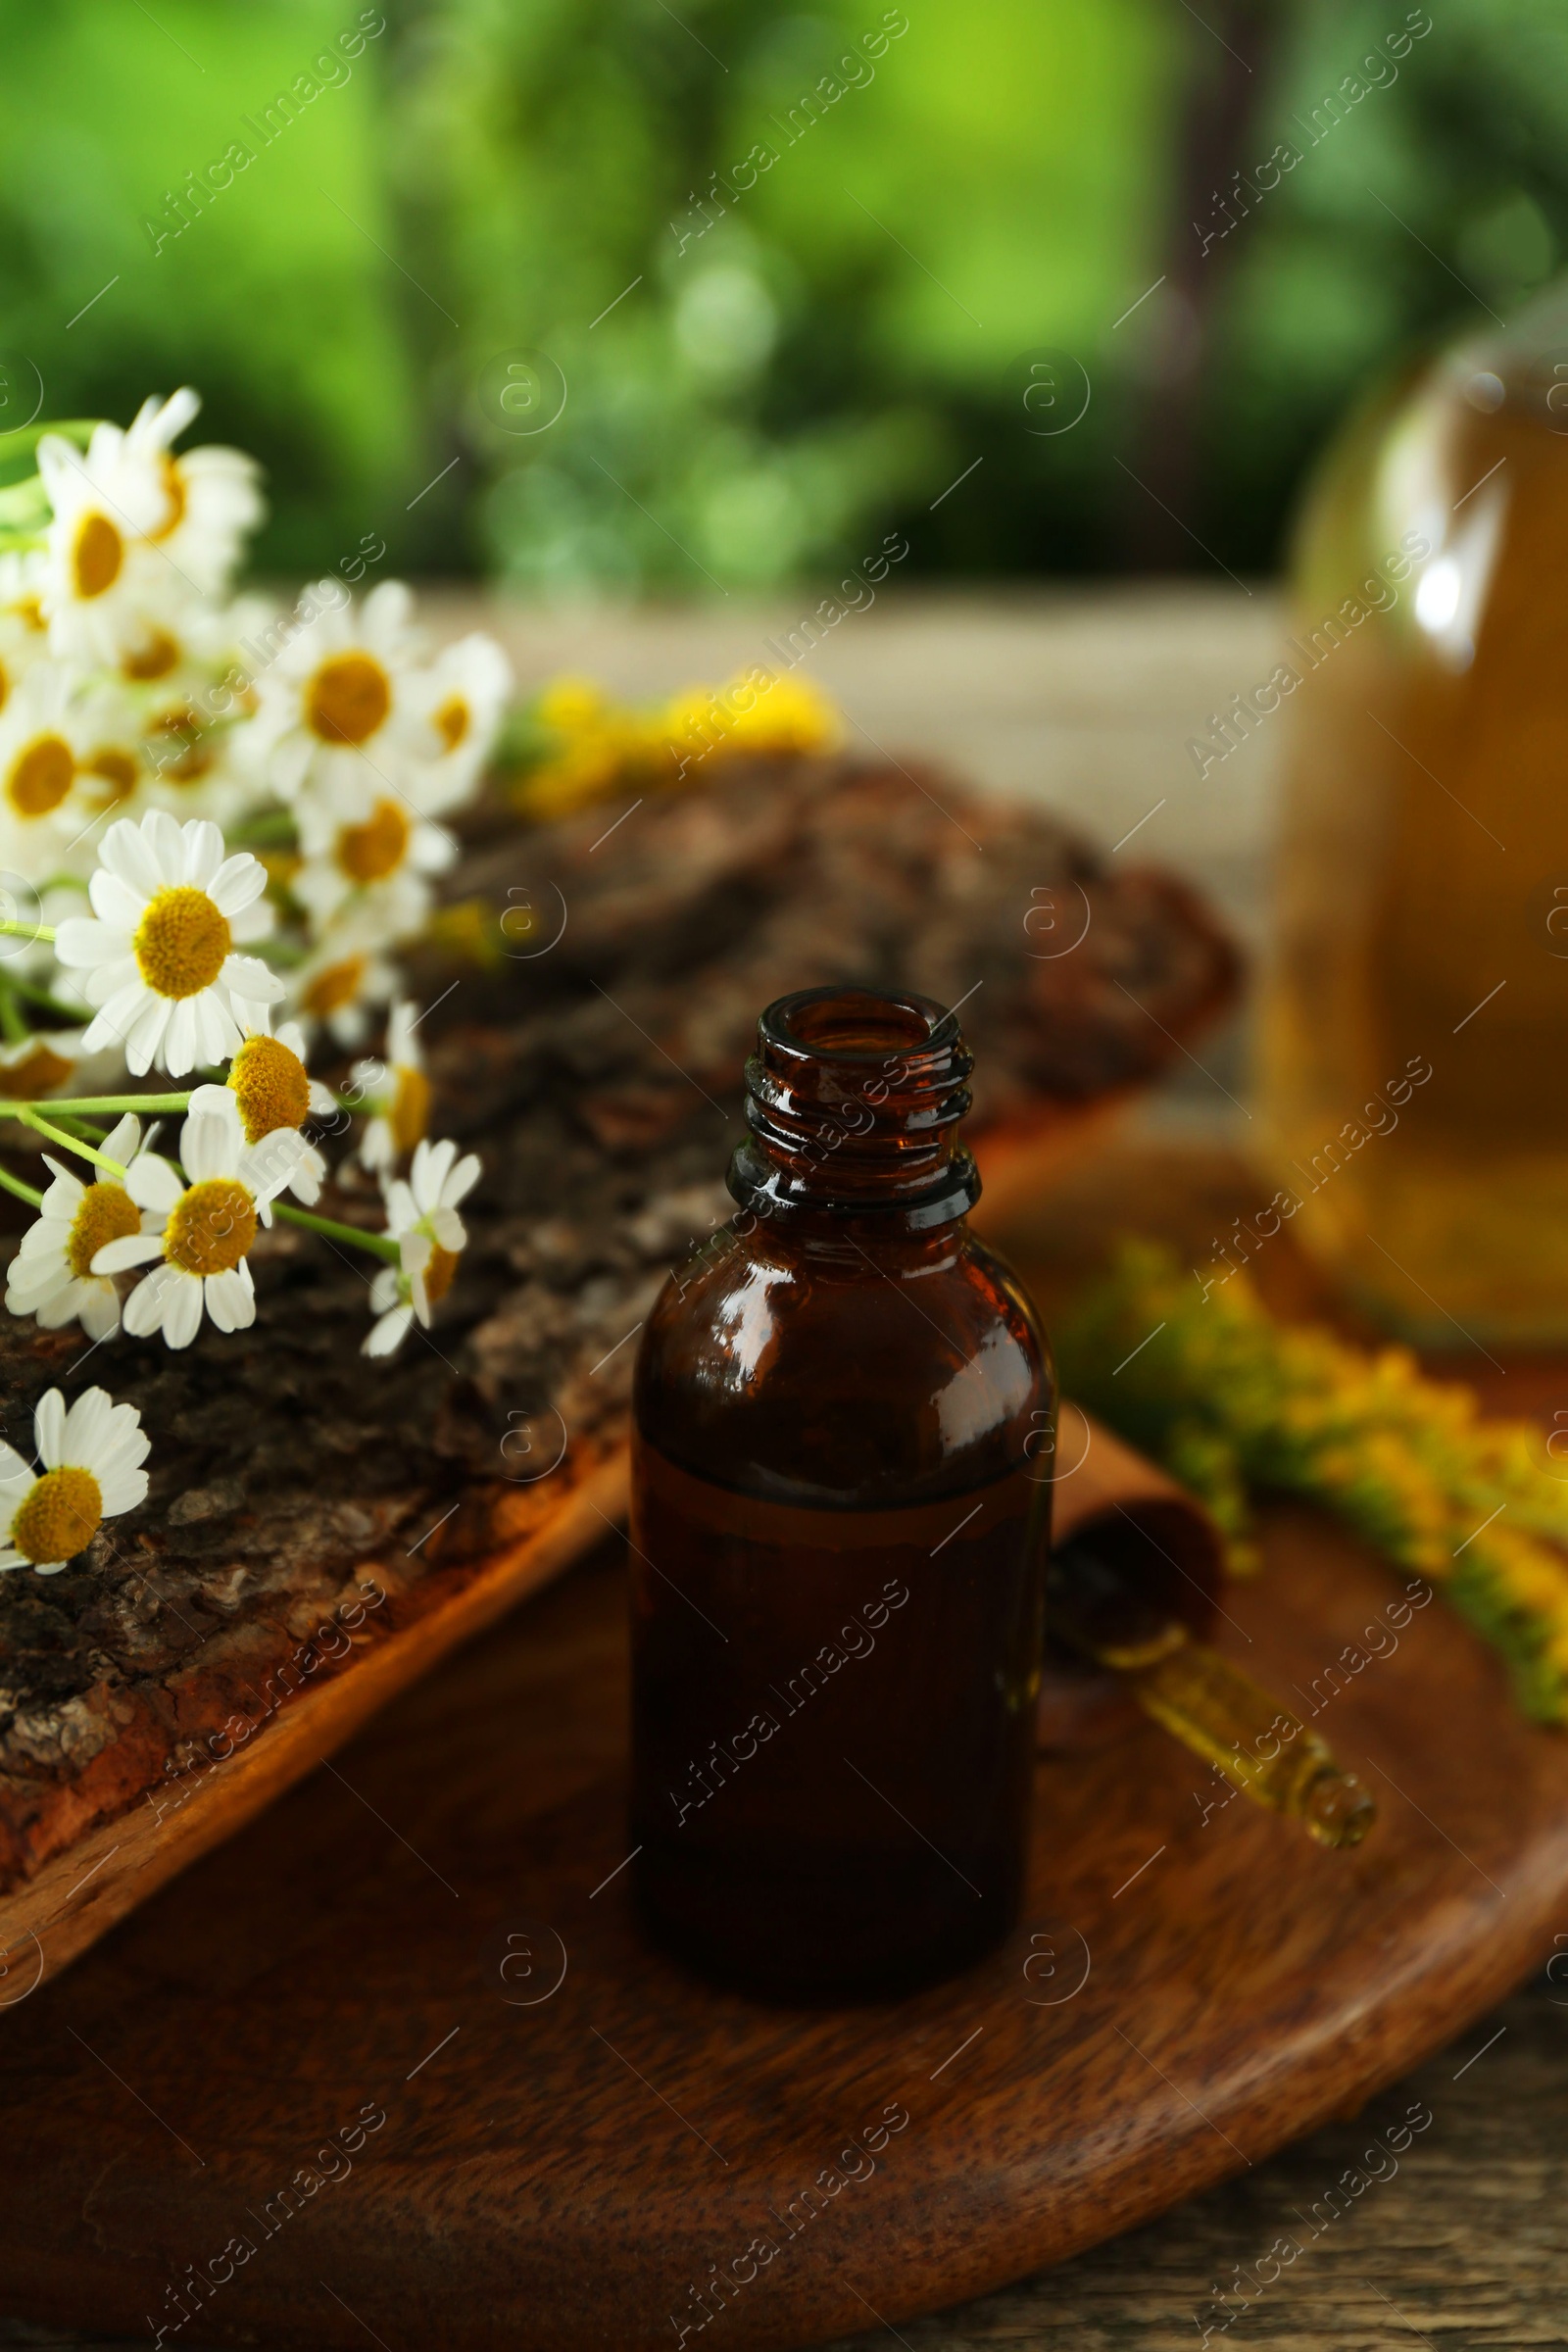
{"points": [[764, 377]]}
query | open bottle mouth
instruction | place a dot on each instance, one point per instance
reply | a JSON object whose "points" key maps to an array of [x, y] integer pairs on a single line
{"points": [[857, 1025], [853, 1099]]}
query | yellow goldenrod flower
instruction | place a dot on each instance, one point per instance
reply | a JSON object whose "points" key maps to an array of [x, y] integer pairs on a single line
{"points": [[592, 746], [1234, 1403]]}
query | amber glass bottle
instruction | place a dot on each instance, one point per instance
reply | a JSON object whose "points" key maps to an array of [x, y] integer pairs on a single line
{"points": [[843, 1436], [1417, 1022]]}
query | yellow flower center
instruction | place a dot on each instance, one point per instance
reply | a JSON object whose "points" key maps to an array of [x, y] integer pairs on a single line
{"points": [[368, 853], [154, 658], [174, 484], [31, 610], [97, 556], [452, 722], [4, 687], [41, 775], [117, 769], [270, 1086], [59, 1516], [107, 1214], [439, 1272], [334, 986], [347, 699], [38, 1072], [410, 1107], [210, 1227], [181, 941], [185, 755]]}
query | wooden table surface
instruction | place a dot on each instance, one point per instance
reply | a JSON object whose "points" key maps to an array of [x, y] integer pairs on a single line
{"points": [[1089, 702]]}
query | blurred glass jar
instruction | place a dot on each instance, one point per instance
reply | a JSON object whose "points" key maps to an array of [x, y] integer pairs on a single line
{"points": [[1415, 1033]]}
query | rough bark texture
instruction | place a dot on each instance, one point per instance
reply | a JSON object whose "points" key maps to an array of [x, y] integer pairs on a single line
{"points": [[599, 1077]]}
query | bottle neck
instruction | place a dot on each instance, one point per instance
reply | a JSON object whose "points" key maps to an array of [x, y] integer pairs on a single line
{"points": [[852, 1103]]}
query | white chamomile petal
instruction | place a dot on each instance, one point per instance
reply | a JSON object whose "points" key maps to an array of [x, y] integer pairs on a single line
{"points": [[237, 882], [63, 1196], [127, 852], [115, 903], [129, 1250], [49, 1429], [124, 1490], [388, 1334], [123, 1139], [247, 977], [144, 1308], [99, 1311], [202, 856], [212, 1140], [183, 1310], [231, 1298], [153, 1182]]}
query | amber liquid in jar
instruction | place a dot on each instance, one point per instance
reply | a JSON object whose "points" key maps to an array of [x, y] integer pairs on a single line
{"points": [[842, 1433], [1418, 1015]]}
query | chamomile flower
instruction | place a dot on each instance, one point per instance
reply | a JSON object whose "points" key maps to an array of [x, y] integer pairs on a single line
{"points": [[270, 1087], [114, 761], [459, 700], [160, 959], [193, 766], [335, 720], [104, 583], [395, 1093], [198, 1229], [43, 741], [35, 1066], [378, 867], [166, 728], [195, 646], [210, 495], [89, 1470], [24, 631], [344, 981], [423, 1218], [51, 1275]]}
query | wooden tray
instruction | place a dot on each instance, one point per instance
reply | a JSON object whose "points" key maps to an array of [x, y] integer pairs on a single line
{"points": [[403, 2039]]}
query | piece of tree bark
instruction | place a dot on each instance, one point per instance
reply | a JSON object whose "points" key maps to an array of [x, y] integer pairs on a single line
{"points": [[311, 1511]]}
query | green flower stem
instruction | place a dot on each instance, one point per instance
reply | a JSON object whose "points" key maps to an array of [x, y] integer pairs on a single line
{"points": [[69, 1143], [118, 1103], [23, 1191], [379, 1244], [12, 1018], [30, 931]]}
